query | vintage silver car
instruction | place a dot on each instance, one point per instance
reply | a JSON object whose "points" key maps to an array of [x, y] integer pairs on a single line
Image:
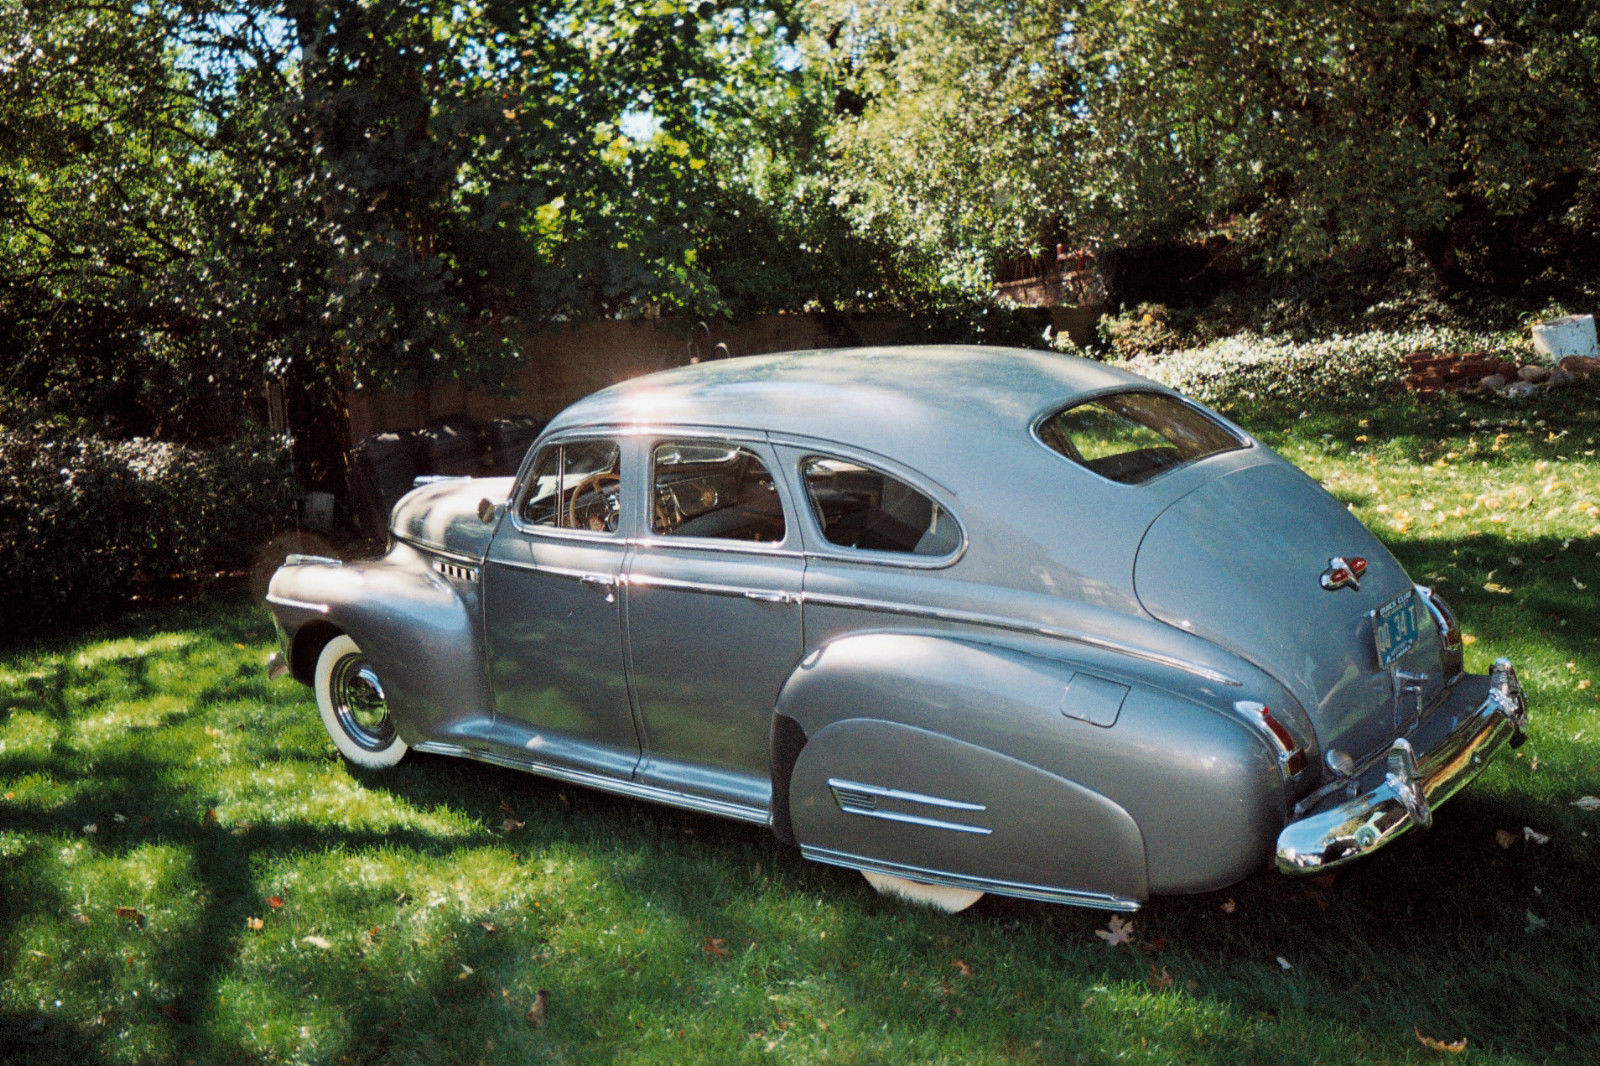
{"points": [[964, 619]]}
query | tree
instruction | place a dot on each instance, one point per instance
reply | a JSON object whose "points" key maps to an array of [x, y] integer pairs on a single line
{"points": [[1300, 129]]}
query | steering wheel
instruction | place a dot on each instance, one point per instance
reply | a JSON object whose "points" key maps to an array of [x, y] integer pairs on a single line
{"points": [[604, 484]]}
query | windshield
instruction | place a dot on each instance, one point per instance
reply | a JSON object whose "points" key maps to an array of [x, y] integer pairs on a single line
{"points": [[1133, 436]]}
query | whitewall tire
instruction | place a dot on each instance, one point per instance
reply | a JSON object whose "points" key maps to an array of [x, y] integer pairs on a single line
{"points": [[940, 897], [354, 711]]}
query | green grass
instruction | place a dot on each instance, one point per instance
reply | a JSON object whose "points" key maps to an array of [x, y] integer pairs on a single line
{"points": [[191, 875]]}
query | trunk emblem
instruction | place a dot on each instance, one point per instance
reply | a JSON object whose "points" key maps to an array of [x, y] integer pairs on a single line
{"points": [[1342, 573]]}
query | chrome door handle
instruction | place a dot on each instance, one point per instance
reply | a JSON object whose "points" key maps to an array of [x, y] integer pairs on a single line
{"points": [[598, 580], [763, 596]]}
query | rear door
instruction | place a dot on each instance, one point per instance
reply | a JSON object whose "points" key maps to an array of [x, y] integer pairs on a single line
{"points": [[713, 615]]}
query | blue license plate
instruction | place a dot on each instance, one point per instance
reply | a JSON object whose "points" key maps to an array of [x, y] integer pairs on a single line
{"points": [[1394, 627]]}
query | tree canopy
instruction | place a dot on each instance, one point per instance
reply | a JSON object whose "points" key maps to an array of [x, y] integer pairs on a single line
{"points": [[196, 194], [1301, 130]]}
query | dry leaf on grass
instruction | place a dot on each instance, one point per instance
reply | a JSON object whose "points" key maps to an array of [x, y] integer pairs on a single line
{"points": [[962, 968], [1159, 981], [715, 947], [1504, 837], [254, 923], [1117, 931], [1529, 833], [1587, 803], [132, 914], [316, 942], [1439, 1045]]}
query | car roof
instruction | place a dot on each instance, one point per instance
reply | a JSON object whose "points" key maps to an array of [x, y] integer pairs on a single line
{"points": [[890, 400]]}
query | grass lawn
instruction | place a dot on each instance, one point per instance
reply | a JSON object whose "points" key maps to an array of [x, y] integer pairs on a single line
{"points": [[190, 874]]}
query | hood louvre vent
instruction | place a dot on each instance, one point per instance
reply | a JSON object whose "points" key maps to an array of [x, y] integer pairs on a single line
{"points": [[455, 571]]}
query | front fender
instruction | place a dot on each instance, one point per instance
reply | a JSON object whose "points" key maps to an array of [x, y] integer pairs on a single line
{"points": [[416, 624]]}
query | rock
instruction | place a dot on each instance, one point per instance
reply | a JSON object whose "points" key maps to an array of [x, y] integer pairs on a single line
{"points": [[1534, 372], [1520, 390], [1494, 381], [1557, 378], [1581, 366]]}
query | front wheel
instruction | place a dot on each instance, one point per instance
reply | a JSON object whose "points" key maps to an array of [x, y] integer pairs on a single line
{"points": [[354, 710]]}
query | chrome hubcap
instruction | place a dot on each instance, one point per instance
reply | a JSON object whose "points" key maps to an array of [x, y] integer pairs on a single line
{"points": [[359, 703]]}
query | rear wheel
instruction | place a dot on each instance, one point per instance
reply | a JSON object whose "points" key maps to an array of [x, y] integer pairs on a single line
{"points": [[354, 711], [940, 897]]}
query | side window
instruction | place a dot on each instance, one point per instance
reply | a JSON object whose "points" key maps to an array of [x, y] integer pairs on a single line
{"points": [[575, 486], [859, 507], [714, 489]]}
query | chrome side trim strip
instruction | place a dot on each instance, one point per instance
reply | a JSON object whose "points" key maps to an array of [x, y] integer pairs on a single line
{"points": [[1021, 626], [1041, 893], [740, 812], [909, 797], [434, 550], [913, 819], [680, 585], [303, 605]]}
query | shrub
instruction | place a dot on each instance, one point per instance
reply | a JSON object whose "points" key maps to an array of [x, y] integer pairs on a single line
{"points": [[1334, 370], [91, 524]]}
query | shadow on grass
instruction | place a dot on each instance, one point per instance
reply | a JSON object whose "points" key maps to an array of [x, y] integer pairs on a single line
{"points": [[1446, 931]]}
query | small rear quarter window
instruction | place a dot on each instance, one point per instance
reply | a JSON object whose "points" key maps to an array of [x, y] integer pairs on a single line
{"points": [[1133, 436]]}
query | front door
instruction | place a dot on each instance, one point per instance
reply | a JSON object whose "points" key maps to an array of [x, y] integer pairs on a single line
{"points": [[553, 612]]}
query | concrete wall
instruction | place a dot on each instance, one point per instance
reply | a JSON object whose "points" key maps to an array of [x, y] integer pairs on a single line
{"points": [[563, 365]]}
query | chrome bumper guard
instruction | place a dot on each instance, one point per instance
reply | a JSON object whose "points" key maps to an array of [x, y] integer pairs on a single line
{"points": [[1412, 787]]}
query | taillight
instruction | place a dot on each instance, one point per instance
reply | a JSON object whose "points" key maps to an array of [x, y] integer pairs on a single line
{"points": [[1290, 753], [1444, 619]]}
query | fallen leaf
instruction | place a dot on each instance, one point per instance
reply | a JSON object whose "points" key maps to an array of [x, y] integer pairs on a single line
{"points": [[1529, 833], [1285, 963], [1117, 932], [132, 914], [1229, 907], [1468, 638], [91, 829], [962, 968], [511, 824], [466, 972], [1535, 923], [489, 927], [210, 817], [254, 923], [274, 902], [316, 942], [1504, 837], [715, 947], [1587, 803], [1159, 981], [1439, 1045]]}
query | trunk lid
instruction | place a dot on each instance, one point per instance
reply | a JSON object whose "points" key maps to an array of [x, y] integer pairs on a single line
{"points": [[1239, 562]]}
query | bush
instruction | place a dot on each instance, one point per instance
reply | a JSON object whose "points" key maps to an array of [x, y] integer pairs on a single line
{"points": [[91, 524], [1336, 370]]}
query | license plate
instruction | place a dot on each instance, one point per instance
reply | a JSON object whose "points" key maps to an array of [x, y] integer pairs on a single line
{"points": [[1394, 627]]}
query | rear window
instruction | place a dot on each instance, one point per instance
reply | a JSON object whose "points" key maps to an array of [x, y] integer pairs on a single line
{"points": [[1133, 436]]}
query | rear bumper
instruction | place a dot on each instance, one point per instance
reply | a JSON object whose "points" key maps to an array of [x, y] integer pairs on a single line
{"points": [[1412, 786]]}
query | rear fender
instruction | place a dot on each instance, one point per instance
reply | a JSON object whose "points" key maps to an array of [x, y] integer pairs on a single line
{"points": [[1094, 773]]}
